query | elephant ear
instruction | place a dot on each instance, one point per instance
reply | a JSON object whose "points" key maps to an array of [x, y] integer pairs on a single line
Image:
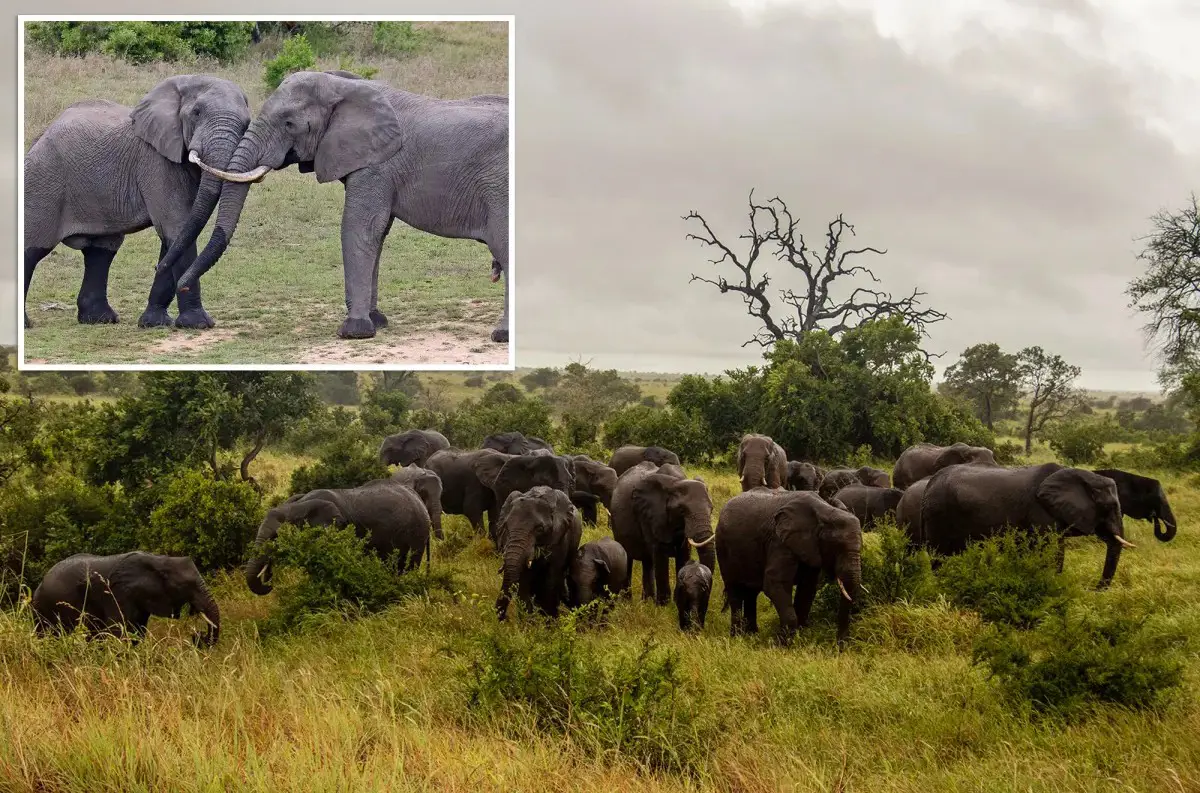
{"points": [[487, 467], [506, 511], [363, 130], [317, 512], [951, 455], [428, 486], [1068, 499], [650, 505], [158, 118], [796, 525]]}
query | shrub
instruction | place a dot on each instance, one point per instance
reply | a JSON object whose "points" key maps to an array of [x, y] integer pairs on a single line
{"points": [[397, 38], [1006, 452], [630, 706], [1073, 662], [1078, 442], [503, 408], [383, 411], [893, 570], [143, 42], [684, 433], [211, 520], [296, 56], [327, 428], [1010, 578], [339, 466]]}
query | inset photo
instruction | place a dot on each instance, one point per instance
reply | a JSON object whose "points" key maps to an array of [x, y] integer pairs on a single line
{"points": [[235, 192]]}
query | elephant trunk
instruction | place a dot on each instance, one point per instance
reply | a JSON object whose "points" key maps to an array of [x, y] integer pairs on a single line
{"points": [[517, 559], [1167, 517], [849, 580], [258, 574], [206, 605], [701, 537], [218, 153], [754, 474]]}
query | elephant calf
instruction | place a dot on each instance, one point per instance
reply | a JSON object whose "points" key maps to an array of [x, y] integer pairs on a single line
{"points": [[869, 504], [537, 534], [600, 569], [693, 586], [108, 594]]}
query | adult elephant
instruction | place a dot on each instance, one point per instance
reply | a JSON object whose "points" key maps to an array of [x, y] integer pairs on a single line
{"points": [[538, 533], [772, 541], [438, 165], [628, 456], [1143, 498], [926, 459], [515, 443], [968, 502], [908, 509], [658, 517], [594, 477], [835, 479], [121, 593], [506, 474], [392, 519], [869, 504], [761, 462], [873, 477], [102, 171], [412, 447], [426, 484], [803, 476], [464, 492]]}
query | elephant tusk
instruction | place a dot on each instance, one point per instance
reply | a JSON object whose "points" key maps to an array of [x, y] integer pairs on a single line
{"points": [[262, 574], [529, 564], [1125, 543], [210, 622], [257, 175], [845, 594], [695, 544]]}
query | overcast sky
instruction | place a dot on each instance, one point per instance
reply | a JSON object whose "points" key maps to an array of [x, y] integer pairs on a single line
{"points": [[1006, 154]]}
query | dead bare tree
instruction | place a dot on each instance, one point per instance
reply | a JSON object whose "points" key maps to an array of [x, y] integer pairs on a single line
{"points": [[773, 232]]}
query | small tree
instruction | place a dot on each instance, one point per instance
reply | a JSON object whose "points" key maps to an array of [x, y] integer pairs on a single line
{"points": [[1049, 383], [987, 377]]}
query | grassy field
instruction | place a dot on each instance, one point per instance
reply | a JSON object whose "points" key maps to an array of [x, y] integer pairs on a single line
{"points": [[277, 295], [380, 703]]}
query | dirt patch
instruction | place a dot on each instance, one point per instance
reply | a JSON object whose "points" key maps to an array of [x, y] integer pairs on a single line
{"points": [[190, 342], [432, 349]]}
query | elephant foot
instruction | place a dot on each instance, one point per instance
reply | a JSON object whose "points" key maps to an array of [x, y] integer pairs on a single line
{"points": [[500, 335], [357, 328], [155, 317], [1104, 584], [97, 314], [378, 319], [195, 319]]}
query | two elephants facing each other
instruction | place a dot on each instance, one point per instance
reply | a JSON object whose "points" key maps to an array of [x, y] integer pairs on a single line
{"points": [[412, 447], [926, 459], [118, 594], [777, 541], [627, 457], [761, 462], [438, 165], [537, 536], [102, 171]]}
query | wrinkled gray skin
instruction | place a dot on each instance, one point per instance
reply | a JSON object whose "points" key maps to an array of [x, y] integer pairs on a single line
{"points": [[1143, 498], [438, 165], [803, 476], [586, 504], [537, 534], [111, 594], [599, 569], [413, 446], [426, 484], [392, 518], [908, 509], [101, 171], [627, 457], [869, 504], [693, 587], [658, 517], [595, 478], [970, 502], [835, 479], [772, 541], [761, 462], [463, 491], [507, 473], [515, 443], [873, 477], [925, 459]]}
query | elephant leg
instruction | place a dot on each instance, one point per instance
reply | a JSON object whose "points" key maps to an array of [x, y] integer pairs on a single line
{"points": [[648, 578], [191, 310], [751, 608], [525, 593], [780, 595], [806, 591], [162, 292], [92, 303], [662, 576], [365, 219], [32, 257], [737, 616], [377, 317], [1111, 557], [702, 608], [498, 234]]}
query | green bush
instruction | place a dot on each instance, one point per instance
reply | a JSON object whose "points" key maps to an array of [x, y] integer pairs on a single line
{"points": [[1010, 578], [686, 434], [1007, 452], [324, 429], [296, 56], [213, 521], [1073, 662], [502, 408], [1078, 442], [628, 707], [398, 38], [384, 411], [144, 42], [894, 570], [339, 466]]}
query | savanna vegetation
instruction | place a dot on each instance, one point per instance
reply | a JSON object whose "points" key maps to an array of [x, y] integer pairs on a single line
{"points": [[290, 243]]}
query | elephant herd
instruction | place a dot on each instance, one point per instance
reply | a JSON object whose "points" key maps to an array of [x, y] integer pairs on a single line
{"points": [[102, 170], [792, 524]]}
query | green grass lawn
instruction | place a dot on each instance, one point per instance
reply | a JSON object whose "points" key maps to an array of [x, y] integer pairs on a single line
{"points": [[277, 294], [379, 703]]}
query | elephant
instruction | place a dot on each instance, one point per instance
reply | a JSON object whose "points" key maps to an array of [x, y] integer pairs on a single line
{"points": [[908, 509], [658, 517], [1142, 498], [803, 476], [508, 473], [426, 484], [594, 477], [773, 540], [627, 457], [835, 479], [463, 491], [101, 171], [586, 504], [538, 534], [392, 518], [438, 165], [966, 502], [761, 462], [515, 443], [599, 569], [869, 504], [121, 592], [925, 459], [412, 446], [693, 586], [873, 477]]}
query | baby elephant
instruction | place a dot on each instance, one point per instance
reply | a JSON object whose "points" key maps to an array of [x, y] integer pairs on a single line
{"points": [[122, 592], [599, 569], [693, 585]]}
